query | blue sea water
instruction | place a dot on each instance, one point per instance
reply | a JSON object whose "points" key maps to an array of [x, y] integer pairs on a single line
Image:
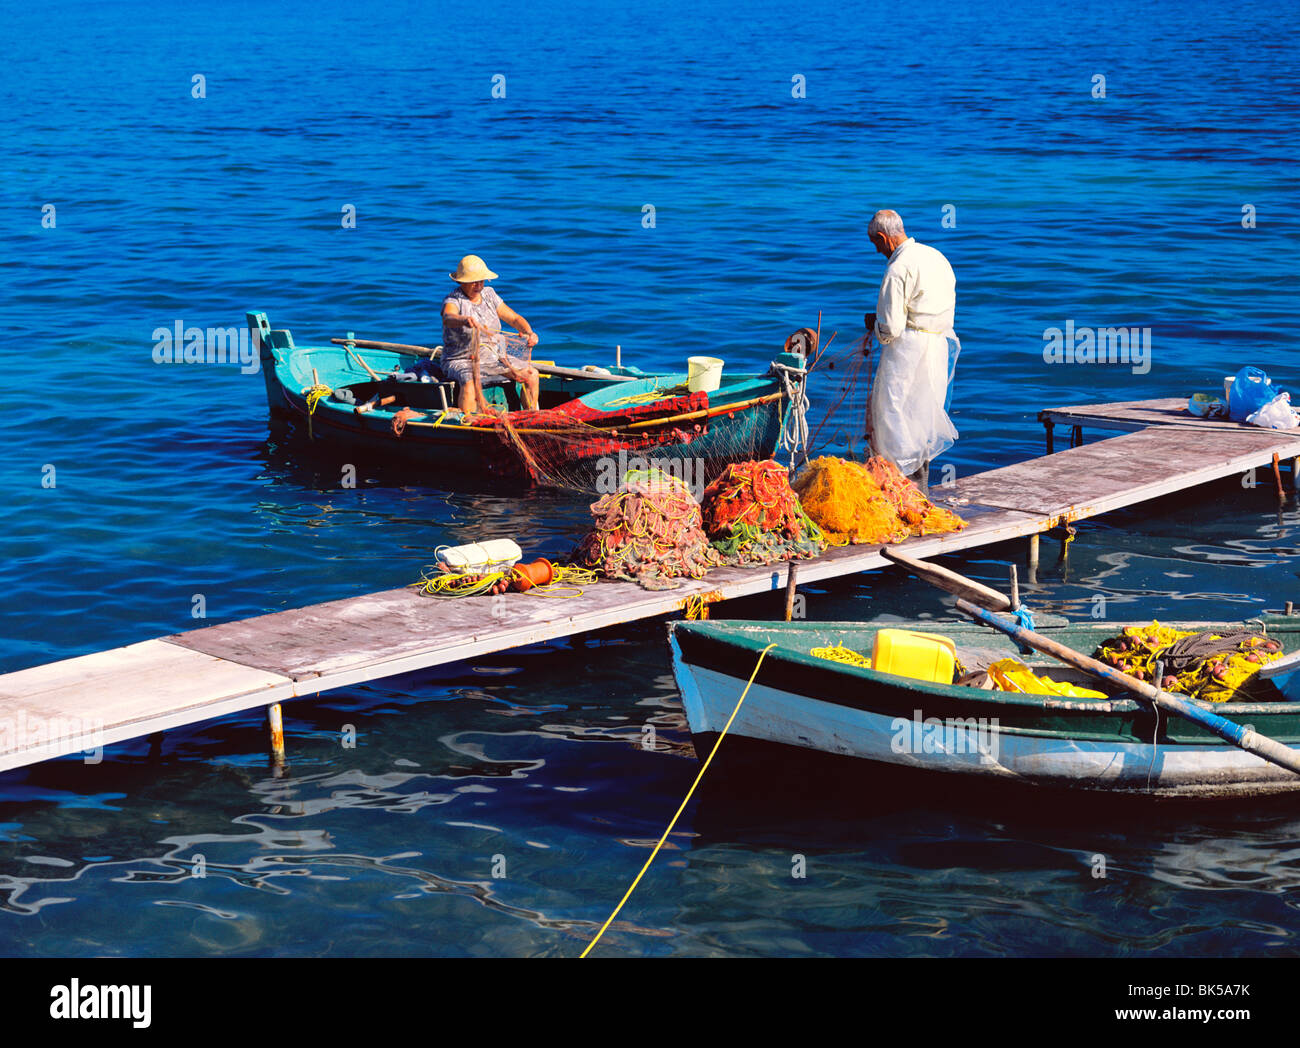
{"points": [[1131, 209]]}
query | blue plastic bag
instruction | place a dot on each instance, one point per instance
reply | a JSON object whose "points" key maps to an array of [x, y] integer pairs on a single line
{"points": [[1251, 390]]}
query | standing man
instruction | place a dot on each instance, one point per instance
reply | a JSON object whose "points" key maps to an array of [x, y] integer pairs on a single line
{"points": [[918, 350]]}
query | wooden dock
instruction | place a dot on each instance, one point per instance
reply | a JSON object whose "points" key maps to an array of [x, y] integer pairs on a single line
{"points": [[68, 706]]}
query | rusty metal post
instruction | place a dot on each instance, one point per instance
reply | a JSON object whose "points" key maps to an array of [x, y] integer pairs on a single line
{"points": [[275, 721], [791, 581]]}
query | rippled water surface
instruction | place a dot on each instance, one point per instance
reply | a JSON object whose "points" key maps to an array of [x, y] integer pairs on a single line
{"points": [[501, 807]]}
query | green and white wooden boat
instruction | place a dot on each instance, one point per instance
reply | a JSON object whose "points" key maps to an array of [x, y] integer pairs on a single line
{"points": [[621, 418], [800, 704]]}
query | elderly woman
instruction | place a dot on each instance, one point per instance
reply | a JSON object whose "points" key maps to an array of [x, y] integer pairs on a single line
{"points": [[473, 309]]}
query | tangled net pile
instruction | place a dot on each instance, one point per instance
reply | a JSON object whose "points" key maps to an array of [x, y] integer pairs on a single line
{"points": [[921, 516], [752, 516], [1214, 667], [847, 503], [649, 531], [872, 503]]}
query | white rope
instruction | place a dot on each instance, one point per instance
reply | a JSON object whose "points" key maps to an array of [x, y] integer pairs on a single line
{"points": [[794, 427]]}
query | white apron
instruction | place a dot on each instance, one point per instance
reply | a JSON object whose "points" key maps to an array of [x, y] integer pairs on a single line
{"points": [[909, 425]]}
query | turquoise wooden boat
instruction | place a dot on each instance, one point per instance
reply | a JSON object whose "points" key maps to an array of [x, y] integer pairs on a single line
{"points": [[621, 418], [802, 704]]}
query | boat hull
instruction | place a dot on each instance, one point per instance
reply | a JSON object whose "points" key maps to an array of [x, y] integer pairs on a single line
{"points": [[742, 421], [964, 734]]}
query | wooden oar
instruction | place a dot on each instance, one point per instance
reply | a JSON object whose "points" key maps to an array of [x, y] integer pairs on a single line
{"points": [[1241, 736], [949, 580]]}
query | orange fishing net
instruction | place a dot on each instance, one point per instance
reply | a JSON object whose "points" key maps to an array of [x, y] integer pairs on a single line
{"points": [[921, 516], [846, 502], [649, 531], [872, 504], [752, 516]]}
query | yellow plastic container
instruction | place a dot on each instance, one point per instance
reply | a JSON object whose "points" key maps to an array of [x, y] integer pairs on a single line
{"points": [[703, 374], [921, 656]]}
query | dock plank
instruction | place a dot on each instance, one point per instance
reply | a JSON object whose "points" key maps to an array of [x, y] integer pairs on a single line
{"points": [[122, 694], [361, 638], [1137, 414], [1125, 470]]}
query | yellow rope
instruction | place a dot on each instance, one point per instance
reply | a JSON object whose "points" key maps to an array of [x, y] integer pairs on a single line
{"points": [[685, 800], [315, 395], [566, 582], [646, 398], [839, 653], [696, 605], [456, 584]]}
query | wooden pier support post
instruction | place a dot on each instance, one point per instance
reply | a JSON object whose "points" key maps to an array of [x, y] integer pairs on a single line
{"points": [[791, 581], [1015, 588], [1295, 474], [275, 721], [1031, 560], [1049, 426]]}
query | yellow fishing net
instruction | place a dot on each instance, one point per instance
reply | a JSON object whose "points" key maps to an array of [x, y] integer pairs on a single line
{"points": [[1220, 666]]}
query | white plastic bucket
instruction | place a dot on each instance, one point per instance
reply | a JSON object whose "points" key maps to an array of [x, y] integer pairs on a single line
{"points": [[703, 374], [478, 558]]}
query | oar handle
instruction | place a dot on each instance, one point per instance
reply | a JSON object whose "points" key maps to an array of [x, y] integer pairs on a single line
{"points": [[1239, 735], [949, 580]]}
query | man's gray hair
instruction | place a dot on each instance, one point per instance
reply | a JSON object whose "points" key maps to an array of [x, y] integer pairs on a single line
{"points": [[887, 223]]}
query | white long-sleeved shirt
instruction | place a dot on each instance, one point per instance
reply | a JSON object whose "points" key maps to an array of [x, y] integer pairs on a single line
{"points": [[919, 291]]}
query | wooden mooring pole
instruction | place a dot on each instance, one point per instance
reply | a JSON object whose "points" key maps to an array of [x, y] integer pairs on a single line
{"points": [[791, 581], [275, 721]]}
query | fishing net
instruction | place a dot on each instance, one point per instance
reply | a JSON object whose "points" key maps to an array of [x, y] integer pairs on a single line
{"points": [[1212, 666], [921, 516], [847, 504], [752, 516], [839, 382], [669, 429], [649, 531]]}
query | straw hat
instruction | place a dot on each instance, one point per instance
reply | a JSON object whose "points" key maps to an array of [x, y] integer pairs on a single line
{"points": [[471, 268]]}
